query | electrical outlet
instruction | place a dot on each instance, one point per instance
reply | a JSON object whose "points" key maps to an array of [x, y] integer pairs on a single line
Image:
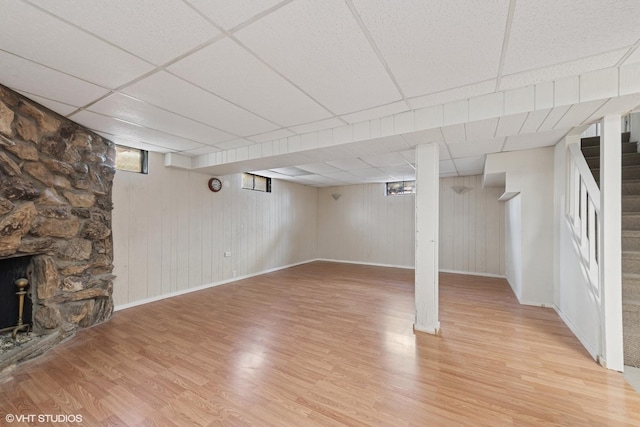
{"points": [[227, 254]]}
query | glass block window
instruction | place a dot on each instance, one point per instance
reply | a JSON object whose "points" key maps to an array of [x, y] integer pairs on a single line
{"points": [[401, 187], [132, 159], [256, 182]]}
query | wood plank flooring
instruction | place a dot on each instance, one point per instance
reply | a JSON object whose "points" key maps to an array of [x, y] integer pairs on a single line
{"points": [[326, 344]]}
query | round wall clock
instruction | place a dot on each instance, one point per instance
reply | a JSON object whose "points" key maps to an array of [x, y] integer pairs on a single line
{"points": [[215, 185]]}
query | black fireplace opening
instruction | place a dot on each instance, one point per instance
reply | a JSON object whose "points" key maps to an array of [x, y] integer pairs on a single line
{"points": [[12, 269]]}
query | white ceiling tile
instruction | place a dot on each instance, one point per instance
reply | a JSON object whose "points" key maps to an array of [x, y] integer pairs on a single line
{"points": [[410, 156], [482, 129], [316, 126], [291, 171], [135, 111], [587, 28], [228, 70], [321, 179], [229, 13], [535, 140], [448, 175], [370, 174], [234, 143], [376, 112], [510, 125], [58, 107], [456, 112], [470, 172], [386, 159], [462, 92], [405, 172], [447, 167], [171, 93], [200, 151], [126, 130], [318, 44], [318, 168], [156, 31], [340, 176], [423, 42], [270, 136], [58, 47], [469, 164], [22, 75], [476, 148], [454, 134], [566, 91], [555, 72], [348, 164], [134, 144]]}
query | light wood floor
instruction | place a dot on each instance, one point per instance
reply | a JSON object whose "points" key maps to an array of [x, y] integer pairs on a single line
{"points": [[326, 344]]}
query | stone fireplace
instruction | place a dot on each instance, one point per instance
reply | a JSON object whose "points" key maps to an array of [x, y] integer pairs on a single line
{"points": [[55, 205]]}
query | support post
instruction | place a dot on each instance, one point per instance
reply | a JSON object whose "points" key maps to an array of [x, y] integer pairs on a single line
{"points": [[427, 201], [611, 242]]}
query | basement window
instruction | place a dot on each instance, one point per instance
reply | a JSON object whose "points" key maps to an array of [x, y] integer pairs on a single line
{"points": [[256, 182], [401, 187], [132, 159]]}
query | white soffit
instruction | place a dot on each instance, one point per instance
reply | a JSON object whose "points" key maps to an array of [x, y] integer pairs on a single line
{"points": [[320, 47], [156, 31], [535, 140], [54, 43], [476, 148], [433, 46], [171, 93], [539, 25], [228, 70]]}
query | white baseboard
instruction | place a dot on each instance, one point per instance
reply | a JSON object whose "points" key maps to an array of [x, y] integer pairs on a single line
{"points": [[375, 264], [202, 287], [592, 351], [473, 273]]}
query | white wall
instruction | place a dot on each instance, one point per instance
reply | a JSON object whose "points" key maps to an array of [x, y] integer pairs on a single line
{"points": [[471, 227], [171, 232], [530, 174], [572, 296], [513, 244], [366, 226]]}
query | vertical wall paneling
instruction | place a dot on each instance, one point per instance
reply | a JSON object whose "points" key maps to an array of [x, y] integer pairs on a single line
{"points": [[471, 226], [171, 232]]}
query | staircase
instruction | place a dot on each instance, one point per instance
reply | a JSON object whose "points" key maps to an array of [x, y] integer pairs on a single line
{"points": [[630, 238]]}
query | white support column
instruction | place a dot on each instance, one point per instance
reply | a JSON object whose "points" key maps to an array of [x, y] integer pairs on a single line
{"points": [[427, 202], [611, 246]]}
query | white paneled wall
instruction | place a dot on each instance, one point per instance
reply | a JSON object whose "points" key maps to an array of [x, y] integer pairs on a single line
{"points": [[364, 225], [471, 226], [171, 232]]}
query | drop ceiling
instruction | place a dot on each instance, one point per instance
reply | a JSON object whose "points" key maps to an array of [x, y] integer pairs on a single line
{"points": [[237, 85]]}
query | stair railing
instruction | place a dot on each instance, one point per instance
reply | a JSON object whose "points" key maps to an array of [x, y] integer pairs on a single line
{"points": [[583, 213]]}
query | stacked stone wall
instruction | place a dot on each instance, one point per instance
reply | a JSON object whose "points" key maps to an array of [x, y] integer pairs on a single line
{"points": [[55, 204]]}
